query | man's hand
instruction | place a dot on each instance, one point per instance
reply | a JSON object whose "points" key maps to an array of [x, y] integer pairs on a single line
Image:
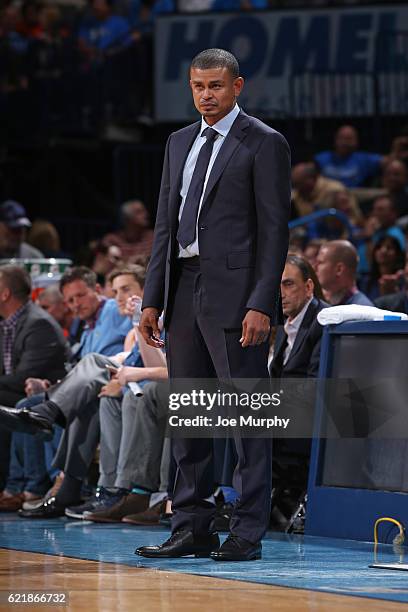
{"points": [[255, 328], [128, 374], [389, 283], [36, 385], [149, 327], [112, 389]]}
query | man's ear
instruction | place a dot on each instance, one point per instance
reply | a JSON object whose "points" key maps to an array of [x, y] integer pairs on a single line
{"points": [[339, 268], [238, 86], [5, 294], [310, 287], [98, 289]]}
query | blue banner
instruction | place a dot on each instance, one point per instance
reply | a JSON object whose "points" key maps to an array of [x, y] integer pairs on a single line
{"points": [[298, 63]]}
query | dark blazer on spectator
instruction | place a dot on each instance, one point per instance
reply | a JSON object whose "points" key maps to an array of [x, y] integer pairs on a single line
{"points": [[396, 302], [305, 354], [40, 351]]}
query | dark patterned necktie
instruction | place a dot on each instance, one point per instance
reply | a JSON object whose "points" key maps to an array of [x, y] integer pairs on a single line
{"points": [[187, 227]]}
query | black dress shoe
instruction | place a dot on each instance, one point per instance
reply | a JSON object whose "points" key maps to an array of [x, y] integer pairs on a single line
{"points": [[26, 421], [49, 509], [237, 549], [181, 544]]}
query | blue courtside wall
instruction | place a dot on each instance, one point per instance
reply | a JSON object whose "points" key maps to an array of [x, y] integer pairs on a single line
{"points": [[342, 512]]}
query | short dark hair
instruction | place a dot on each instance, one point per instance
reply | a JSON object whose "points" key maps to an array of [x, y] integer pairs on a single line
{"points": [[81, 273], [17, 280], [138, 272], [216, 58], [306, 270]]}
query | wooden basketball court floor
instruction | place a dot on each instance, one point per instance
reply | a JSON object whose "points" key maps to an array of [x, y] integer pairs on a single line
{"points": [[95, 568]]}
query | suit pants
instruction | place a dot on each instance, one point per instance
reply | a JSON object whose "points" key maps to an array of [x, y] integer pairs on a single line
{"points": [[133, 450], [197, 347], [77, 398]]}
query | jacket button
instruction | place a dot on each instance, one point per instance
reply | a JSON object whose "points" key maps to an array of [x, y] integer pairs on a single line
{"points": [[203, 227]]}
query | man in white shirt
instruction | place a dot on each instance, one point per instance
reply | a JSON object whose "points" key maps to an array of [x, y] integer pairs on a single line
{"points": [[297, 343]]}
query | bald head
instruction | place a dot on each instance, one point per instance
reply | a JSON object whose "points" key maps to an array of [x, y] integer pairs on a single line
{"points": [[337, 266], [342, 251]]}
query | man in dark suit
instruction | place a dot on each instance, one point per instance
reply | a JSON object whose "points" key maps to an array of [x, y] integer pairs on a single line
{"points": [[297, 343], [31, 345], [220, 244], [296, 355]]}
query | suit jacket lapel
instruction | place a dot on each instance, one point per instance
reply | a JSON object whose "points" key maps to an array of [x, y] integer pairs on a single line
{"points": [[234, 137], [184, 144], [304, 328]]}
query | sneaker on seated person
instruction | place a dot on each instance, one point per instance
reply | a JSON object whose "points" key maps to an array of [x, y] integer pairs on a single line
{"points": [[102, 500]]}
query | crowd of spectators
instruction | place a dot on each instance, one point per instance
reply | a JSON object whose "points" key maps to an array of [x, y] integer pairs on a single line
{"points": [[85, 65], [97, 354]]}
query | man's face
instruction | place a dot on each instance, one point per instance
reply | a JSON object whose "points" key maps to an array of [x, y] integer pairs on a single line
{"points": [[83, 301], [395, 176], [384, 212], [303, 180], [57, 309], [346, 141], [137, 215], [123, 287], [325, 268], [14, 236], [294, 290], [214, 92]]}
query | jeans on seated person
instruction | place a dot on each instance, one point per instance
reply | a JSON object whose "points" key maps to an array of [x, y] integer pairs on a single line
{"points": [[30, 459]]}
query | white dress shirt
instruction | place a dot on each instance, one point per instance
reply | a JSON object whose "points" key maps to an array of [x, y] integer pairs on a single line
{"points": [[292, 327], [222, 126]]}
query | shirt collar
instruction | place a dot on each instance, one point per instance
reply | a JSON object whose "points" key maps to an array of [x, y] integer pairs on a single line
{"points": [[224, 125], [90, 323]]}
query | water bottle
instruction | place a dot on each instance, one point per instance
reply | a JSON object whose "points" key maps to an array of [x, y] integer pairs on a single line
{"points": [[137, 313]]}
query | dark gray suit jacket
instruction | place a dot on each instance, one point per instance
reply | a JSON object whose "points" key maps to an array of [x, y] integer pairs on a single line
{"points": [[304, 357], [40, 350], [243, 223]]}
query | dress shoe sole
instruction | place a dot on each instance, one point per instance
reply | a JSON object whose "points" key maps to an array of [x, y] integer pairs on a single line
{"points": [[40, 516], [96, 519], [140, 523], [199, 555]]}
